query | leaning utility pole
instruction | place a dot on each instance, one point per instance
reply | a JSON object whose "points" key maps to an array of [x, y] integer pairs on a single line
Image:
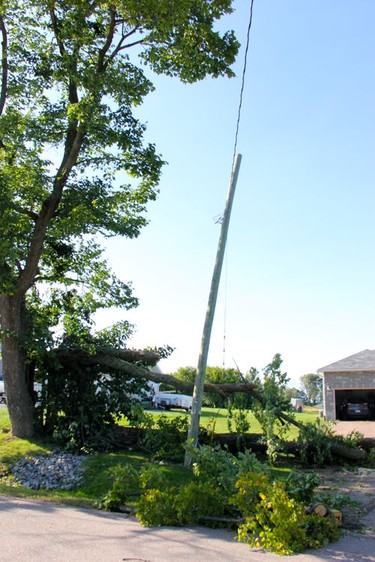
{"points": [[205, 343]]}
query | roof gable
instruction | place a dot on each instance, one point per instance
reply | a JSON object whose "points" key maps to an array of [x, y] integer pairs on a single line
{"points": [[362, 361]]}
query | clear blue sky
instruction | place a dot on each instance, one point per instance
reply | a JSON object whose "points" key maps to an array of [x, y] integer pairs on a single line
{"points": [[299, 277]]}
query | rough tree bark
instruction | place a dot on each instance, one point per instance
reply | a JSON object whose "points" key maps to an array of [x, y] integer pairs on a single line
{"points": [[19, 400]]}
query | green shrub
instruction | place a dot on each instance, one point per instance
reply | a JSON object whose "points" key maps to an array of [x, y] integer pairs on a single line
{"points": [[352, 439], [217, 466], [250, 486], [125, 485], [156, 508], [314, 443], [129, 482], [320, 531], [152, 477], [215, 472], [186, 505], [301, 486], [277, 522], [197, 500], [166, 440]]}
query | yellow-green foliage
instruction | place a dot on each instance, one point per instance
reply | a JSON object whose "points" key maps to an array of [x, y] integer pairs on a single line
{"points": [[275, 521], [157, 507]]}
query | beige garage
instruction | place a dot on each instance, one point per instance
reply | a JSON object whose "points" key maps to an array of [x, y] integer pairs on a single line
{"points": [[349, 387]]}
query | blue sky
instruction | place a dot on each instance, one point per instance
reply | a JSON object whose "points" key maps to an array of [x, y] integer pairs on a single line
{"points": [[299, 274]]}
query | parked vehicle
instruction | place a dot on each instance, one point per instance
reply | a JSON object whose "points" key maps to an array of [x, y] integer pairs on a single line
{"points": [[3, 399], [357, 410], [2, 391], [169, 400]]}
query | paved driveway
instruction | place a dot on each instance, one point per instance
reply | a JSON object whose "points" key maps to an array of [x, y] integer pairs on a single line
{"points": [[365, 427]]}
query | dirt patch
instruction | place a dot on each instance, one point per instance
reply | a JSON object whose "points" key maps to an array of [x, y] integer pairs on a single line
{"points": [[357, 484], [359, 487]]}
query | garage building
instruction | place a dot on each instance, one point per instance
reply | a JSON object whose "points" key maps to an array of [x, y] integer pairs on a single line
{"points": [[349, 387]]}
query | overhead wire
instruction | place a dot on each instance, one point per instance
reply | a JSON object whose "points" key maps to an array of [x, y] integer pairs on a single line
{"points": [[243, 81], [239, 114]]}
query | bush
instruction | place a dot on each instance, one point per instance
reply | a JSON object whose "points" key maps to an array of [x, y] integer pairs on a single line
{"points": [[156, 508], [216, 466], [314, 443], [125, 485], [81, 407], [166, 440], [197, 501], [302, 486]]}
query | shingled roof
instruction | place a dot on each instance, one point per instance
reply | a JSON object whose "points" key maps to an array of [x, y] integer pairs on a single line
{"points": [[362, 361]]}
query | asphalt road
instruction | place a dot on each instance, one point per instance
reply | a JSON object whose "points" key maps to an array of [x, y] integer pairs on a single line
{"points": [[32, 531]]}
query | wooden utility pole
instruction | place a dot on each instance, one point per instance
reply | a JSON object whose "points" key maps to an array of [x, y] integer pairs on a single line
{"points": [[206, 336]]}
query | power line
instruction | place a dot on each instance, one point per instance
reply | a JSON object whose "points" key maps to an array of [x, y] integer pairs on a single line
{"points": [[233, 160], [243, 81]]}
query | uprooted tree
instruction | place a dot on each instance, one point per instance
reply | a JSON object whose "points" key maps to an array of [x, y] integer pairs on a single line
{"points": [[71, 75]]}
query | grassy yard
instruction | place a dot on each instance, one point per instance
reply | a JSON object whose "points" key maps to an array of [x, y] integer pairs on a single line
{"points": [[97, 478], [216, 419]]}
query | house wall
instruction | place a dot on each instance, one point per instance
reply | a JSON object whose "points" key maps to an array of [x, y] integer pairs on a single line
{"points": [[343, 381]]}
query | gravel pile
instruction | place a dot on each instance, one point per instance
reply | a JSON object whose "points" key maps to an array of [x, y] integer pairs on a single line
{"points": [[57, 470]]}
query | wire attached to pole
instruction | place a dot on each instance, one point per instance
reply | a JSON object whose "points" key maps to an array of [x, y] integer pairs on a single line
{"points": [[193, 431], [243, 82], [233, 161]]}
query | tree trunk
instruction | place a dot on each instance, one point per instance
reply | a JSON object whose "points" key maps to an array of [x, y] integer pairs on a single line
{"points": [[19, 400]]}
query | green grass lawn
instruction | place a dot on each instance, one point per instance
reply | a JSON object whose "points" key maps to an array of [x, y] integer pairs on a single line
{"points": [[97, 478], [216, 419]]}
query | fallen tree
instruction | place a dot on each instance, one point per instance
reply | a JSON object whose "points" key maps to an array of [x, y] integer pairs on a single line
{"points": [[87, 389], [256, 443], [136, 364]]}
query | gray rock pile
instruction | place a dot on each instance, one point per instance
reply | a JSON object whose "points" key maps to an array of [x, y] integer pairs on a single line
{"points": [[58, 470]]}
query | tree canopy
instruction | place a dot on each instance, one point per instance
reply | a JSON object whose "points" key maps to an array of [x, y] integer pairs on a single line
{"points": [[312, 385], [214, 375], [73, 160]]}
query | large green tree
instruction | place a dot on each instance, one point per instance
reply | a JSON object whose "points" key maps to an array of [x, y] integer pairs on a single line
{"points": [[72, 72], [214, 375], [312, 385]]}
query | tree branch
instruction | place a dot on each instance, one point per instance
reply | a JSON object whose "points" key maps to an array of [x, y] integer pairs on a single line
{"points": [[112, 360], [133, 355], [103, 51], [121, 46], [49, 207], [31, 214], [4, 64], [55, 27]]}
